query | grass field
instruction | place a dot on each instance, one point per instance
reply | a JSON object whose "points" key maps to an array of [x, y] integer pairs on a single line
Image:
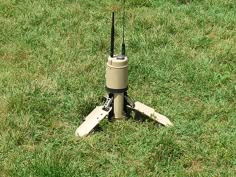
{"points": [[182, 62]]}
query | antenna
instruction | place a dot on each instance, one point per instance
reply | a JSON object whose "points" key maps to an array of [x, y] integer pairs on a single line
{"points": [[123, 36], [112, 34]]}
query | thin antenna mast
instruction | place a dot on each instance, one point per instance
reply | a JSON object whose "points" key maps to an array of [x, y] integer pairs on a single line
{"points": [[123, 40], [112, 35]]}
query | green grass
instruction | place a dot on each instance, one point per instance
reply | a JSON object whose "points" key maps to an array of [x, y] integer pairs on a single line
{"points": [[182, 62]]}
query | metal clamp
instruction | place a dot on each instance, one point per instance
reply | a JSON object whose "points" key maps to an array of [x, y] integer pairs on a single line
{"points": [[129, 101], [107, 104]]}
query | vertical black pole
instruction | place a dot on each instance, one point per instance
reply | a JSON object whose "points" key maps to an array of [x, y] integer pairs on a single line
{"points": [[112, 35], [123, 40]]}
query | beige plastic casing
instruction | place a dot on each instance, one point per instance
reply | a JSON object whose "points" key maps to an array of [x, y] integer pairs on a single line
{"points": [[117, 79], [118, 105], [117, 73]]}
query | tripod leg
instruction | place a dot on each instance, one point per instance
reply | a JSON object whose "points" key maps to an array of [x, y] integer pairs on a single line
{"points": [[150, 112], [91, 121]]}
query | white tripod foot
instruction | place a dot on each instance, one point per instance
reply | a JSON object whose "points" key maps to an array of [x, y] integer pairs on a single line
{"points": [[91, 121], [150, 112]]}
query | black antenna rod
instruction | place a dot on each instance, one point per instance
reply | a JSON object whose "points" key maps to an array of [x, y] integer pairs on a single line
{"points": [[123, 40], [112, 35]]}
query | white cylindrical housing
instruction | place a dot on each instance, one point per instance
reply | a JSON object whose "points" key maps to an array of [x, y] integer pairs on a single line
{"points": [[117, 74], [117, 82]]}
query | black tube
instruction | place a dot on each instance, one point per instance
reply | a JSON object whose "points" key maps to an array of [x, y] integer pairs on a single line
{"points": [[123, 40], [112, 35]]}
